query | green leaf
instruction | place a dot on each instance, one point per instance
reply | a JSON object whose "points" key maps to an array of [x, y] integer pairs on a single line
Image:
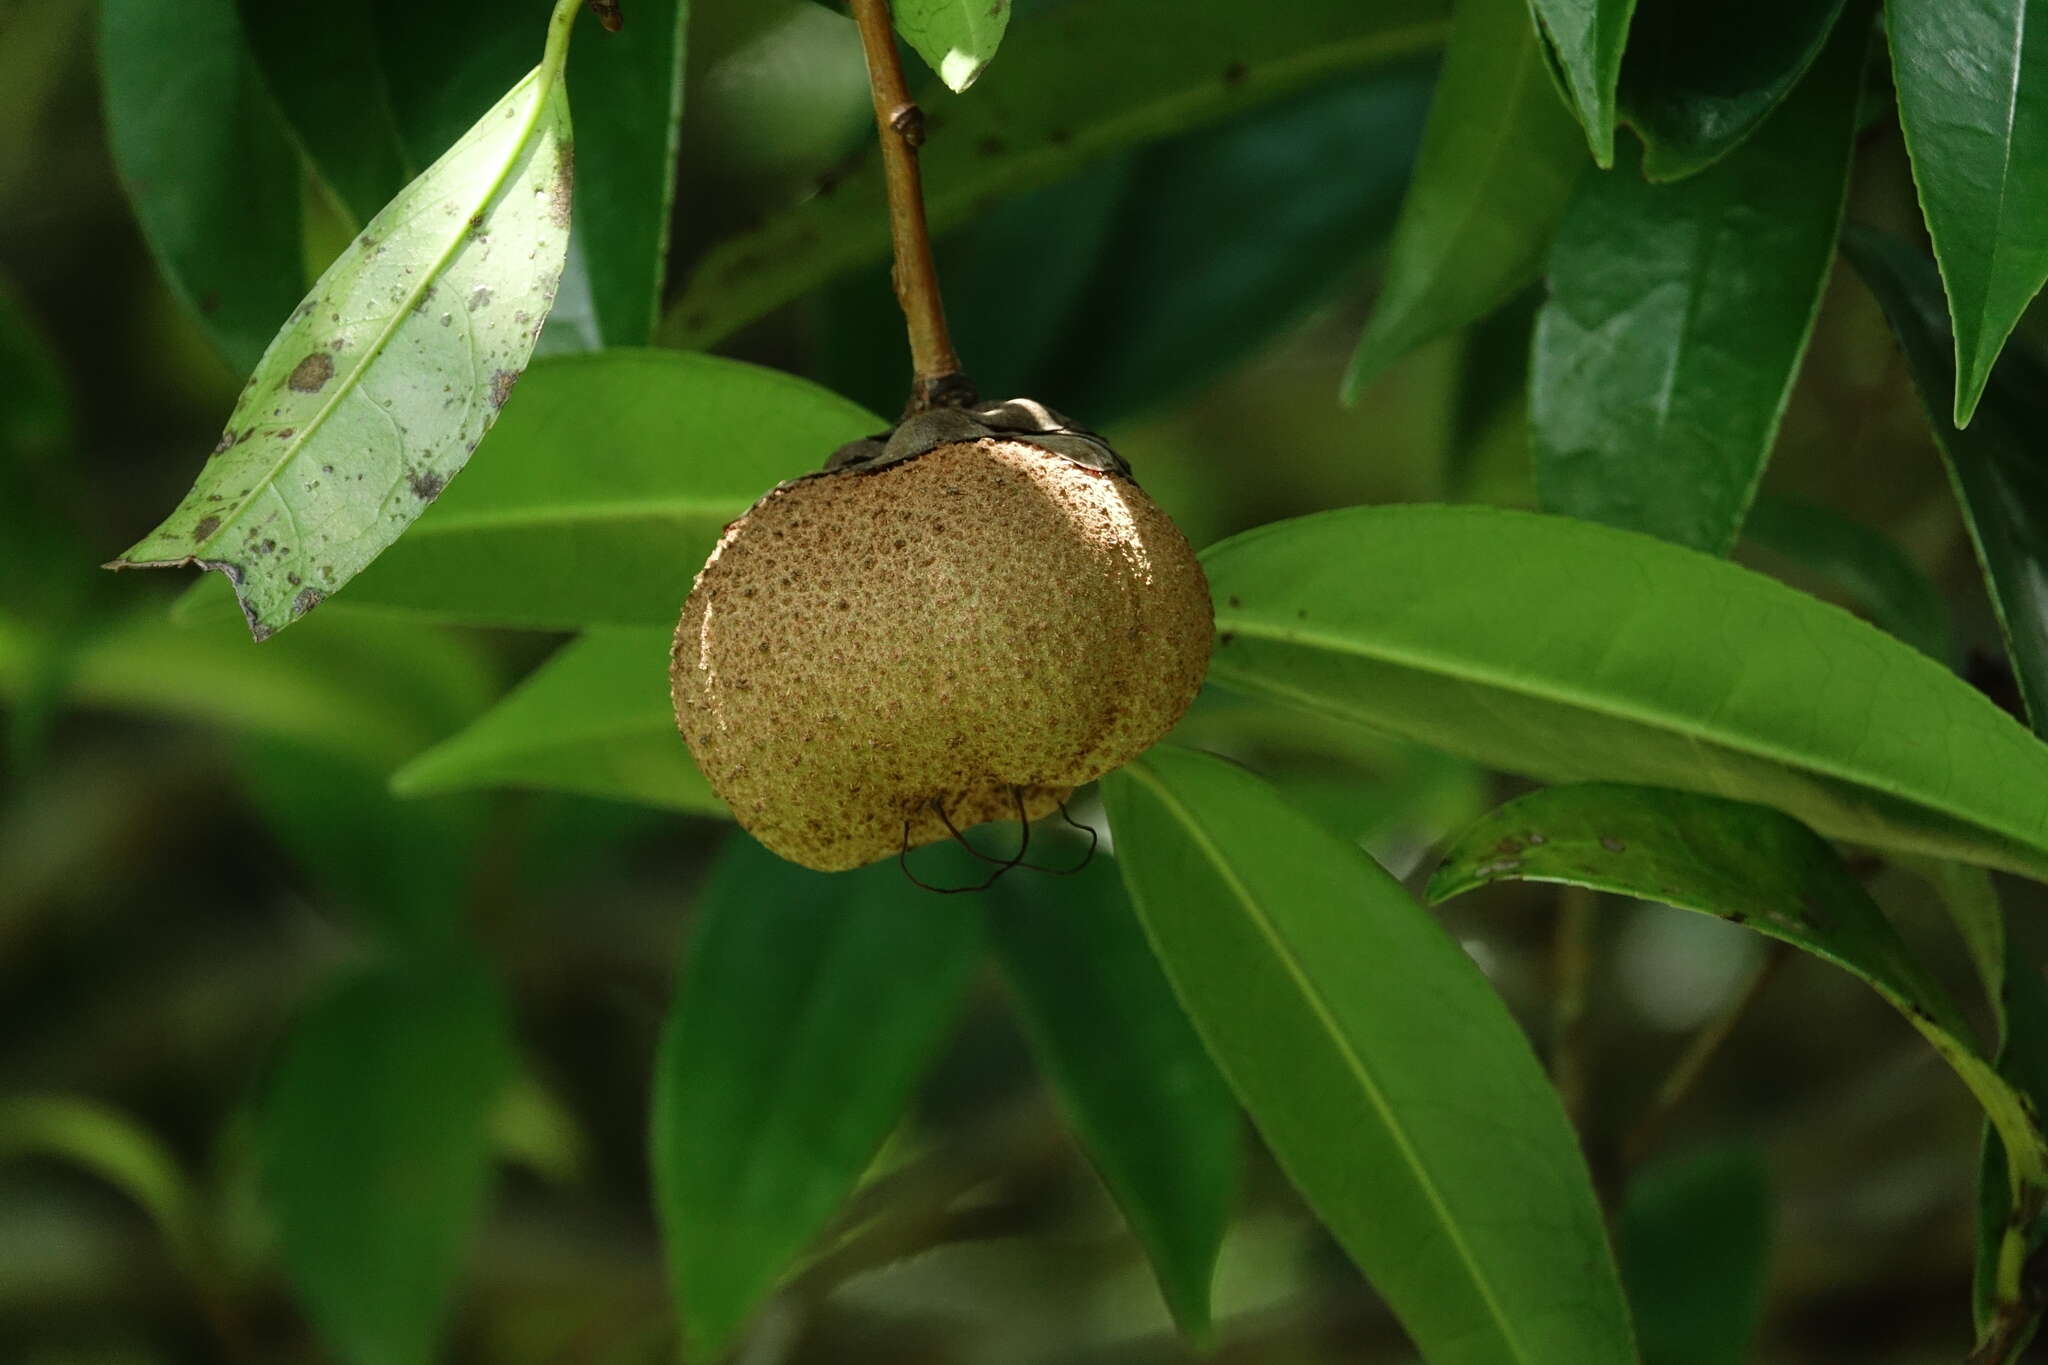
{"points": [[320, 64], [595, 719], [1147, 1103], [1227, 235], [390, 372], [687, 444], [372, 692], [1697, 81], [626, 164], [1996, 465], [1012, 334], [1380, 1067], [1971, 899], [38, 486], [2006, 1239], [1744, 863], [1574, 652], [1972, 81], [1677, 317], [37, 416], [375, 1142], [96, 1138], [1587, 37], [447, 61], [206, 163], [1070, 91], [956, 38], [1695, 1244], [1171, 263], [1887, 587], [807, 1007], [1499, 159], [403, 870]]}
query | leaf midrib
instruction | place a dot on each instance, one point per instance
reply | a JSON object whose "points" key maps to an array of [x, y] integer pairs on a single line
{"points": [[1550, 691], [1356, 1064], [350, 383]]}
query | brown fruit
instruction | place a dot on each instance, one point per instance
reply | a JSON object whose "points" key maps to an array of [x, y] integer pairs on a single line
{"points": [[977, 618]]}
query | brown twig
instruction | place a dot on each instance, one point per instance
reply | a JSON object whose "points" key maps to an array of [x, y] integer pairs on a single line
{"points": [[1685, 1073], [899, 123]]}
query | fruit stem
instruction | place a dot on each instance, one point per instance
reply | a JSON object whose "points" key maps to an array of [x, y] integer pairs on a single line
{"points": [[899, 124]]}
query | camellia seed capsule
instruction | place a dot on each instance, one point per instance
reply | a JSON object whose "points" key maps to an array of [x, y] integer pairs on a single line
{"points": [[956, 624]]}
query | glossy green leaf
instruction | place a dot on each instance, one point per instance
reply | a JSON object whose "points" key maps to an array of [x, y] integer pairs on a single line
{"points": [[1375, 790], [1745, 863], [1972, 82], [375, 1144], [373, 692], [1070, 90], [626, 164], [1677, 317], [1996, 464], [1144, 1098], [1695, 1243], [956, 38], [595, 719], [320, 63], [1886, 586], [1499, 159], [1225, 236], [806, 1008], [1698, 80], [1382, 1070], [687, 444], [1575, 652], [206, 163], [1587, 37], [1171, 264], [390, 371]]}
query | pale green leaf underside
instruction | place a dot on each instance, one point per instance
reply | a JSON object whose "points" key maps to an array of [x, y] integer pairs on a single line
{"points": [[956, 38], [1576, 652], [388, 374], [1384, 1073], [1742, 862], [595, 719]]}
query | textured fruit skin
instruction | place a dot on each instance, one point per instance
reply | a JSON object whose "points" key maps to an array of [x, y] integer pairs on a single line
{"points": [[983, 621]]}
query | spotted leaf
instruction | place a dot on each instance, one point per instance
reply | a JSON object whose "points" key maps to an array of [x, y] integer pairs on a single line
{"points": [[388, 374]]}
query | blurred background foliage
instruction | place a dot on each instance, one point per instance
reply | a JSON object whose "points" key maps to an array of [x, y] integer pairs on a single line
{"points": [[200, 858]]}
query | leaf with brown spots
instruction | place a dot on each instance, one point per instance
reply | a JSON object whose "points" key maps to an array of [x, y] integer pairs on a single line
{"points": [[389, 373]]}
